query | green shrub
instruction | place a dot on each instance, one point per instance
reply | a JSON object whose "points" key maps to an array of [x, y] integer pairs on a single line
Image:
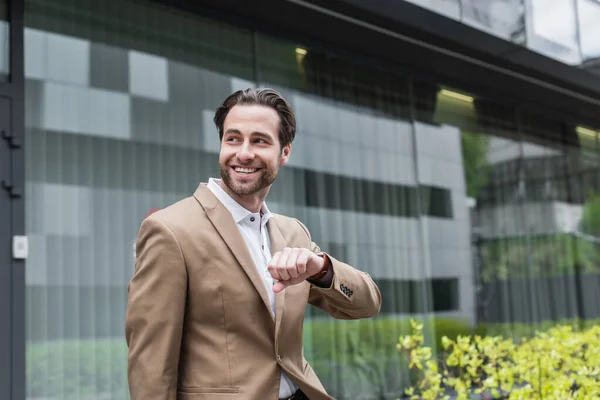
{"points": [[557, 364], [518, 330], [352, 358]]}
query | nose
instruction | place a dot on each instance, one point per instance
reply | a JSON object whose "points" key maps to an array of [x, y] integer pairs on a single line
{"points": [[245, 154]]}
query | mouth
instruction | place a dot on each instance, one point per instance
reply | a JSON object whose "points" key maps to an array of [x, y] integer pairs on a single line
{"points": [[243, 171]]}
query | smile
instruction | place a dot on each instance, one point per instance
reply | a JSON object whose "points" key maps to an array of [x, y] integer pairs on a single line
{"points": [[241, 170]]}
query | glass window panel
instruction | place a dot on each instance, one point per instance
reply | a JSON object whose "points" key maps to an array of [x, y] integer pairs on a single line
{"points": [[589, 33], [506, 243], [584, 218], [552, 29], [464, 143], [118, 122], [503, 18], [4, 41], [356, 185], [553, 176], [454, 214], [448, 8], [588, 145]]}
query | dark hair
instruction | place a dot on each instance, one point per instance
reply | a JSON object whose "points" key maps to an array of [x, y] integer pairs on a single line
{"points": [[264, 97]]}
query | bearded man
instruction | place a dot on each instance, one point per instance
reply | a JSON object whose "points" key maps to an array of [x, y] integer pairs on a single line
{"points": [[221, 284]]}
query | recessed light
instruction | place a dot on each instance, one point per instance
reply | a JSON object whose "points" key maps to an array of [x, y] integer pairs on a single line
{"points": [[456, 95], [586, 131]]}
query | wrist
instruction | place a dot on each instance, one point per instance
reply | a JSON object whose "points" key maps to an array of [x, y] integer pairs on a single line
{"points": [[324, 270]]}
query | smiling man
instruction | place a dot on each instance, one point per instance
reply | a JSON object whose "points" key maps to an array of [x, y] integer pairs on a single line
{"points": [[221, 284]]}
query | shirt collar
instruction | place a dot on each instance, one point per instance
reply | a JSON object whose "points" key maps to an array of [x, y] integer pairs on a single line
{"points": [[238, 212]]}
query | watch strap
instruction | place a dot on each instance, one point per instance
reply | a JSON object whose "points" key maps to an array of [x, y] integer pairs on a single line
{"points": [[324, 271]]}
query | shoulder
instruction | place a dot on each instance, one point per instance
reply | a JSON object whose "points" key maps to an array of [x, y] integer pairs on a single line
{"points": [[177, 216]]}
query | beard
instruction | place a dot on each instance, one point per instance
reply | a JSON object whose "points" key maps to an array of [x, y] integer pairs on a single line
{"points": [[242, 187]]}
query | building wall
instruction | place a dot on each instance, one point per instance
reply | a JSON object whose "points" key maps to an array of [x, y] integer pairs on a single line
{"points": [[562, 30], [105, 154], [120, 97]]}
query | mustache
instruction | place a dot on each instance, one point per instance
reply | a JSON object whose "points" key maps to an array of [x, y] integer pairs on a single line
{"points": [[243, 165]]}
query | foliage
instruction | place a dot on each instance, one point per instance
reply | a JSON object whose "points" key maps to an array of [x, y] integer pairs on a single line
{"points": [[546, 255], [353, 359], [537, 256], [560, 363], [350, 357], [590, 220], [477, 169], [519, 330]]}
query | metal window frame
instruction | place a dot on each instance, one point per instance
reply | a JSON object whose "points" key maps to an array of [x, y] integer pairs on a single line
{"points": [[425, 45], [12, 215]]}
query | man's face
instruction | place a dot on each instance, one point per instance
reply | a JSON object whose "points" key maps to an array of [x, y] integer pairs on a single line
{"points": [[251, 153]]}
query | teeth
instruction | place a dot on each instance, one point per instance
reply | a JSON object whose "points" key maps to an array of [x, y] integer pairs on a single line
{"points": [[245, 170]]}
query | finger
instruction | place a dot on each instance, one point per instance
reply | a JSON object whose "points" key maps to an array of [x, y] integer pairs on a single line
{"points": [[292, 263], [283, 262], [281, 285], [301, 262], [285, 253], [291, 260], [272, 267], [284, 270]]}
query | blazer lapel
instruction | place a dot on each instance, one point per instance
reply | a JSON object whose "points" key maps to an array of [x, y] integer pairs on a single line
{"points": [[277, 244], [225, 225]]}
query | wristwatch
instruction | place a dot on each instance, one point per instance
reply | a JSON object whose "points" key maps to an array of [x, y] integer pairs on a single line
{"points": [[324, 271]]}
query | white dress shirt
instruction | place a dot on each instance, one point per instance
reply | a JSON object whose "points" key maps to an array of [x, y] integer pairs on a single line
{"points": [[253, 228]]}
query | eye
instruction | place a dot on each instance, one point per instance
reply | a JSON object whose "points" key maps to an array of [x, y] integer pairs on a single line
{"points": [[232, 139], [261, 141]]}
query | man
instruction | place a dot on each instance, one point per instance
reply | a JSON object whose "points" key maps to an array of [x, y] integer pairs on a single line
{"points": [[217, 300]]}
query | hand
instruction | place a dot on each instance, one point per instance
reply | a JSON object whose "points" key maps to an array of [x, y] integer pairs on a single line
{"points": [[293, 266]]}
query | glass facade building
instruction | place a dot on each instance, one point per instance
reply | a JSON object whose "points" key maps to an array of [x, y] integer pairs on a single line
{"points": [[566, 30], [474, 211]]}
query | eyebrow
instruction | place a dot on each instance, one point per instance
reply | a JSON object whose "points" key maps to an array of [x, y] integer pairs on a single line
{"points": [[261, 134]]}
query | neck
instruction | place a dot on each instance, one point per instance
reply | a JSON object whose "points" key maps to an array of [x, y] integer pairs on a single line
{"points": [[252, 202]]}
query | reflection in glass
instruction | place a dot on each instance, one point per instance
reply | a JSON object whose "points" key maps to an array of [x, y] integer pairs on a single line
{"points": [[589, 33], [4, 41], [459, 215], [116, 124], [355, 183], [448, 8], [526, 217], [552, 29], [586, 161], [503, 18]]}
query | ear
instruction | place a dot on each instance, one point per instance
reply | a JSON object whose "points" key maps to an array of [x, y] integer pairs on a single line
{"points": [[285, 154]]}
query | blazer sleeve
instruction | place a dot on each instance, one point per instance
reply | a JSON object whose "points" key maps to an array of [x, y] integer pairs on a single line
{"points": [[155, 313], [352, 295]]}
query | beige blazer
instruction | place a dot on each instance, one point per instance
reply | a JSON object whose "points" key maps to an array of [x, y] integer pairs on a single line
{"points": [[198, 321]]}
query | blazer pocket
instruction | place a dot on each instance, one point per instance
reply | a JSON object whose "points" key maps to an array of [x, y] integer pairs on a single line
{"points": [[225, 390]]}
